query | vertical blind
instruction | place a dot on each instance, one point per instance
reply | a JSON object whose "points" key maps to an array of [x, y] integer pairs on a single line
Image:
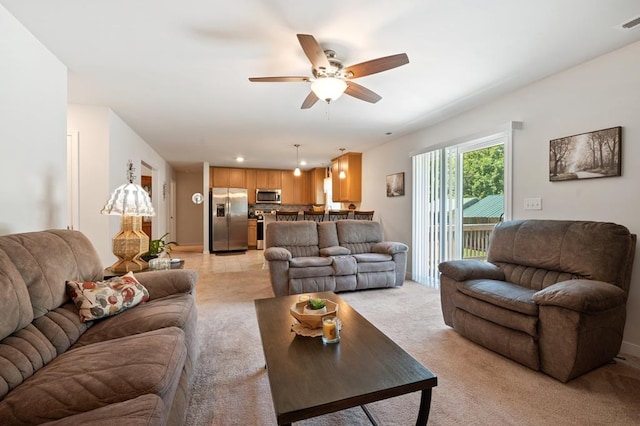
{"points": [[434, 201], [437, 202]]}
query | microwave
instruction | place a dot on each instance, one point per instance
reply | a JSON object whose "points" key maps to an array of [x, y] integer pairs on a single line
{"points": [[268, 196]]}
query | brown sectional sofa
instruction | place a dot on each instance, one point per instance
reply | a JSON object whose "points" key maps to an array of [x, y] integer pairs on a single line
{"points": [[552, 295], [132, 368], [343, 255]]}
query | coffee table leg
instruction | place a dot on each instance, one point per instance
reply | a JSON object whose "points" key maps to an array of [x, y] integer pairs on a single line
{"points": [[425, 406]]}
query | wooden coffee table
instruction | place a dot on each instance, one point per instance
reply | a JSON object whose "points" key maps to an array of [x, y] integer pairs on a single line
{"points": [[309, 378]]}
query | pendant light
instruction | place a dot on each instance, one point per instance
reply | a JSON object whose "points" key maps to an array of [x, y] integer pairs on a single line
{"points": [[342, 174], [297, 172]]}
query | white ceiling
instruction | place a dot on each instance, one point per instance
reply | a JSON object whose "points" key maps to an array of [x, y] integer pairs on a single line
{"points": [[177, 71]]}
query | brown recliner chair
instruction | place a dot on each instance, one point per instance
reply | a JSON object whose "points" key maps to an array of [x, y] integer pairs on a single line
{"points": [[552, 295]]}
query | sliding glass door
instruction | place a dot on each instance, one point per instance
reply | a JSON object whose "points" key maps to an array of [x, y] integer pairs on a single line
{"points": [[459, 196]]}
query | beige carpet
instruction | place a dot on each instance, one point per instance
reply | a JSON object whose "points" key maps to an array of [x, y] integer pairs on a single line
{"points": [[475, 386]]}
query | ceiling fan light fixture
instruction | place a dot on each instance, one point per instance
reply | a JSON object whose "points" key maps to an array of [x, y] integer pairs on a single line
{"points": [[328, 88]]}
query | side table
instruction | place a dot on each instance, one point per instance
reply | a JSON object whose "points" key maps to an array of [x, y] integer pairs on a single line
{"points": [[108, 273]]}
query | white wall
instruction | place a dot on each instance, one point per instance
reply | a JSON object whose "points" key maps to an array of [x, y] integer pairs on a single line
{"points": [[33, 163], [107, 144], [598, 94]]}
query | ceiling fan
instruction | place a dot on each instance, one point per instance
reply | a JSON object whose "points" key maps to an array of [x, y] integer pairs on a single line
{"points": [[331, 79]]}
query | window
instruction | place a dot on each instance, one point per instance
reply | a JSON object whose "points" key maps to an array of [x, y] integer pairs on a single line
{"points": [[464, 186]]}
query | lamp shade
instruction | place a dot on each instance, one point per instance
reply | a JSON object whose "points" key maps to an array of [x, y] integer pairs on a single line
{"points": [[328, 88], [129, 200]]}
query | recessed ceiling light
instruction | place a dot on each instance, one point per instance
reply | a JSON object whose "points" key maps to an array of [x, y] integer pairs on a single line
{"points": [[239, 159], [303, 163], [388, 133]]}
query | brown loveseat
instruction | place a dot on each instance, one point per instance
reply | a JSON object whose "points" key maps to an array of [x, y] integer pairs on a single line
{"points": [[133, 368], [552, 295], [345, 255]]}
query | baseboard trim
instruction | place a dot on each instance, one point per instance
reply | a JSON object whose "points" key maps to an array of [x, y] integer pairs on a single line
{"points": [[630, 348]]}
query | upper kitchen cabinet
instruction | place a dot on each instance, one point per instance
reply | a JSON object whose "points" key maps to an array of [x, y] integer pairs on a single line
{"points": [[252, 185], [268, 179], [224, 177], [295, 189], [349, 188]]}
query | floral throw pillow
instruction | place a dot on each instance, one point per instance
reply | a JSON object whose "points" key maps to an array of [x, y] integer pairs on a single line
{"points": [[100, 299]]}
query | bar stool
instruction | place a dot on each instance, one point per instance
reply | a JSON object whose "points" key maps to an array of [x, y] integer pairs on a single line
{"points": [[363, 215], [314, 215], [337, 215], [286, 216]]}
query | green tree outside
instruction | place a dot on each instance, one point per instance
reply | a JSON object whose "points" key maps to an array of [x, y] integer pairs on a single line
{"points": [[483, 172]]}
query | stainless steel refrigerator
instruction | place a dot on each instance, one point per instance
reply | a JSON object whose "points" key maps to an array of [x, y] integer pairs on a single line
{"points": [[228, 219]]}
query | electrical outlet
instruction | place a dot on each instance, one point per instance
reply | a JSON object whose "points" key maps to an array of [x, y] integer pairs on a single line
{"points": [[533, 203]]}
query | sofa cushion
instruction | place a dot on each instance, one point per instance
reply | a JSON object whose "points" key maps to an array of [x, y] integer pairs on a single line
{"points": [[44, 261], [15, 304], [170, 311], [100, 299], [500, 293], [359, 236], [300, 238], [62, 326], [305, 262], [21, 355], [372, 257], [327, 235], [592, 250], [531, 277], [98, 375]]}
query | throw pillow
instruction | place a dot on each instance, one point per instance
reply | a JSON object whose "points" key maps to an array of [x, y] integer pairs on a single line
{"points": [[100, 299]]}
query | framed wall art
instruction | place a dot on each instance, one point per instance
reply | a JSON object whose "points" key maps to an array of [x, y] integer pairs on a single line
{"points": [[587, 155], [395, 184]]}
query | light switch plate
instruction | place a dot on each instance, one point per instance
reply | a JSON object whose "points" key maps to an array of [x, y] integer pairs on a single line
{"points": [[533, 203]]}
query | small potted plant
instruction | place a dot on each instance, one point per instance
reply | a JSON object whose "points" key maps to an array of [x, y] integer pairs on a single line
{"points": [[159, 246], [315, 306]]}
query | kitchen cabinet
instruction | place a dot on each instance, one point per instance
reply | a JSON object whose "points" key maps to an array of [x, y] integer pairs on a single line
{"points": [[251, 185], [268, 179], [225, 177], [349, 189], [252, 232], [287, 184], [301, 188], [295, 189]]}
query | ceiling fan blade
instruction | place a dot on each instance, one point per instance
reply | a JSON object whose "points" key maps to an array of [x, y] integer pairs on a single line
{"points": [[279, 79], [376, 65], [309, 101], [361, 92], [314, 52]]}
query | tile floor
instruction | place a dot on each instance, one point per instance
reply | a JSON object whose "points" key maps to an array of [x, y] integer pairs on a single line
{"points": [[221, 262]]}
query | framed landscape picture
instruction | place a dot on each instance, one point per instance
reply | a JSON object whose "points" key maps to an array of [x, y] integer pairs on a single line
{"points": [[395, 184], [586, 156]]}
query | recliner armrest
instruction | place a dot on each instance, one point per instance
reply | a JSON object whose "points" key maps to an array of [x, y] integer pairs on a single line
{"points": [[167, 282], [277, 253], [471, 269], [587, 296], [389, 247]]}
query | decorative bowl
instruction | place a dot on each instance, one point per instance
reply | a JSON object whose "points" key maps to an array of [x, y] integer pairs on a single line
{"points": [[312, 320]]}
